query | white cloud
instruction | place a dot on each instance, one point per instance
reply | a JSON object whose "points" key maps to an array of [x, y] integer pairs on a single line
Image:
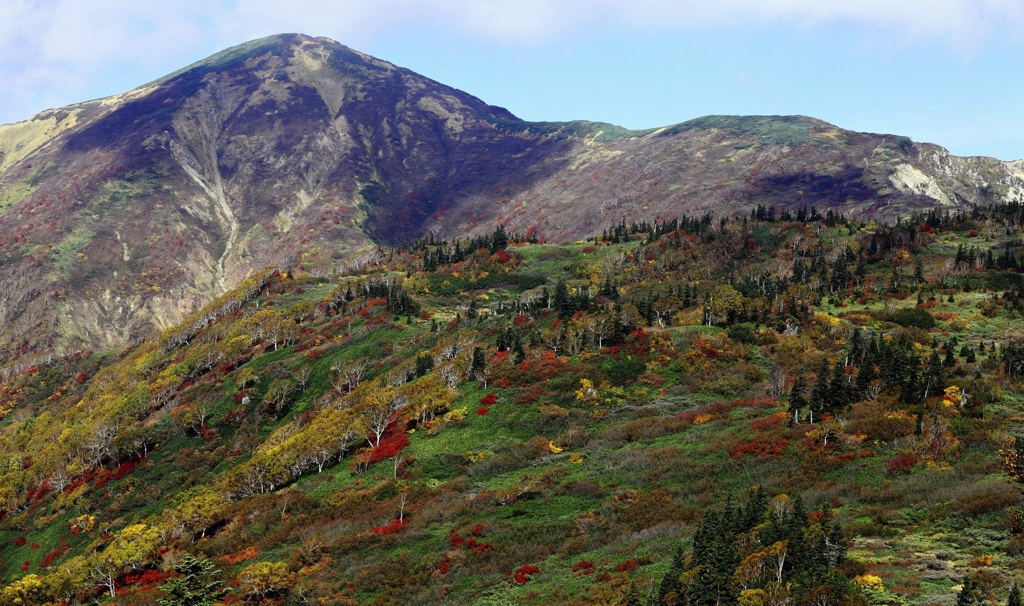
{"points": [[57, 50]]}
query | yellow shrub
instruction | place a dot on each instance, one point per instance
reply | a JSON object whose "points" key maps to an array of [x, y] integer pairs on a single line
{"points": [[868, 581], [702, 419]]}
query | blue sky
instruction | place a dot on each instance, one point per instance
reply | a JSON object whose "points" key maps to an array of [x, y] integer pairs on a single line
{"points": [[945, 71]]}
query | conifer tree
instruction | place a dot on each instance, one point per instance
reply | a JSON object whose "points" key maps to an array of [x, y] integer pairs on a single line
{"points": [[478, 363], [968, 595], [820, 393], [560, 300], [671, 583], [633, 597], [797, 401], [197, 586], [837, 388]]}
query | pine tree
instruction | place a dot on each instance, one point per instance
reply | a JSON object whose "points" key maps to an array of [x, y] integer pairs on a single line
{"points": [[671, 584], [968, 595], [865, 375], [837, 388], [560, 300], [197, 586], [633, 597], [819, 395], [797, 401], [949, 360], [478, 363], [1014, 597]]}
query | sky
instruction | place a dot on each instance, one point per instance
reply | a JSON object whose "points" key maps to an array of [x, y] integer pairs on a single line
{"points": [[949, 72]]}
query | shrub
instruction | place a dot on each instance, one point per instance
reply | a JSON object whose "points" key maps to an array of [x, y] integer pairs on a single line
{"points": [[264, 579], [986, 501], [627, 566], [625, 372], [392, 528], [914, 316], [744, 332], [901, 464], [522, 573]]}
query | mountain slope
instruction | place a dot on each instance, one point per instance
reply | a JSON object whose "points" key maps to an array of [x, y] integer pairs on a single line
{"points": [[122, 215], [493, 421]]}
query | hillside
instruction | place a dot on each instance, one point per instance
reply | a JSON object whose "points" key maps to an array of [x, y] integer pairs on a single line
{"points": [[669, 409], [124, 215]]}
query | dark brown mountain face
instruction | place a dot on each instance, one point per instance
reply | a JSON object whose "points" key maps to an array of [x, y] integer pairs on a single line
{"points": [[121, 215]]}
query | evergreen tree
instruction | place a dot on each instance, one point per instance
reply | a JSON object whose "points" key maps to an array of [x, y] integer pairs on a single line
{"points": [[1014, 597], [671, 583], [865, 375], [518, 354], [197, 586], [633, 597], [934, 374], [968, 595], [478, 363], [949, 360], [797, 401], [837, 388], [819, 395], [560, 300]]}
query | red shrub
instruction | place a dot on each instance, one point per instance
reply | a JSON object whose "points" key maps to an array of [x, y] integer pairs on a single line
{"points": [[248, 553], [530, 394], [520, 575], [124, 469], [627, 566], [388, 447], [901, 464], [501, 257], [392, 528], [769, 423], [24, 567], [144, 580], [482, 411], [489, 399], [583, 567], [761, 448], [102, 477], [35, 546], [477, 547], [53, 555], [651, 379], [20, 541], [445, 565]]}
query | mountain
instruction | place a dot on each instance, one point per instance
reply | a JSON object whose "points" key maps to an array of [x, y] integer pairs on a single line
{"points": [[123, 215]]}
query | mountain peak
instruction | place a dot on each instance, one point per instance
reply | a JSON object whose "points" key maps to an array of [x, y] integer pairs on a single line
{"points": [[293, 150]]}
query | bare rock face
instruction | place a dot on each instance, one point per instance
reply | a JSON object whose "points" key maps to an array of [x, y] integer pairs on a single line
{"points": [[122, 215]]}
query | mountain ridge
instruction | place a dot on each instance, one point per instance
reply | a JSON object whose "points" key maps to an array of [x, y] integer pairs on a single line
{"points": [[299, 151]]}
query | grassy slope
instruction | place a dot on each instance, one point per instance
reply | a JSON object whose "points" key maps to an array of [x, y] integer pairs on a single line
{"points": [[552, 479]]}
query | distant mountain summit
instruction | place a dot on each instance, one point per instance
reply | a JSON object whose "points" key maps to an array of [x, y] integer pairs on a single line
{"points": [[121, 215]]}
